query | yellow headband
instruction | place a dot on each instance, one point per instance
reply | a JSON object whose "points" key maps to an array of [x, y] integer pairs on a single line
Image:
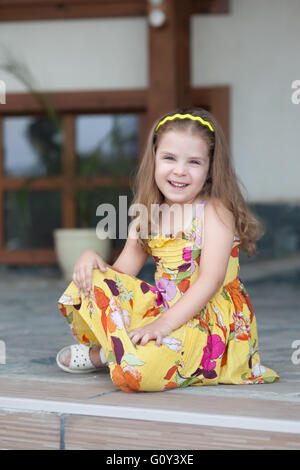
{"points": [[184, 116]]}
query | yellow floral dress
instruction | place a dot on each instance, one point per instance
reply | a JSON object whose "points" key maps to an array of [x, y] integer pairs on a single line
{"points": [[218, 345]]}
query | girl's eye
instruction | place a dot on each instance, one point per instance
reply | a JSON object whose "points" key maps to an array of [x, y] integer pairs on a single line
{"points": [[192, 161]]}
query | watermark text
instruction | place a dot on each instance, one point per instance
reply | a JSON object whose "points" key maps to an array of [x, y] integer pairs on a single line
{"points": [[2, 92], [296, 94], [2, 352], [296, 354], [175, 215]]}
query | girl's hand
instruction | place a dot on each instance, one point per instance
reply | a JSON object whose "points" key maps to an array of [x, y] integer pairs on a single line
{"points": [[83, 269], [155, 330]]}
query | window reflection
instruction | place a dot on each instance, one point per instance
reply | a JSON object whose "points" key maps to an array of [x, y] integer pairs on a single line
{"points": [[32, 146], [106, 144], [30, 218]]}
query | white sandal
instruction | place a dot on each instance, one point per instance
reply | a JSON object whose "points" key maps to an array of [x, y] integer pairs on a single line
{"points": [[80, 362]]}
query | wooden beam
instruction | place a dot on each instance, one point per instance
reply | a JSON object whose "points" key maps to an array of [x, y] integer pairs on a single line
{"points": [[142, 135], [2, 235], [169, 60], [210, 6], [107, 101], [15, 183], [39, 256], [2, 221], [57, 182], [69, 171], [28, 257], [34, 10], [217, 101]]}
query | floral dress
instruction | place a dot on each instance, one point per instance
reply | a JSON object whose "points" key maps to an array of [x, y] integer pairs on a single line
{"points": [[218, 345]]}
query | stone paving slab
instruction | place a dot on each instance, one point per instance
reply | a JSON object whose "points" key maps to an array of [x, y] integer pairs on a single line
{"points": [[34, 330]]}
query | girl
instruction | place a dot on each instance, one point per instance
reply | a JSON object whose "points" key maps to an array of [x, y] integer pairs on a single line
{"points": [[197, 325]]}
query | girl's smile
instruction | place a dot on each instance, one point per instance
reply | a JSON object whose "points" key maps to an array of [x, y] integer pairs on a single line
{"points": [[181, 166], [178, 185]]}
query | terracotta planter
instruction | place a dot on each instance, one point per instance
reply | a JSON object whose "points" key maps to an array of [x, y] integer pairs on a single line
{"points": [[71, 243]]}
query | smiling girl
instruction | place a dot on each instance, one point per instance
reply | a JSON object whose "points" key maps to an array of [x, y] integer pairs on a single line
{"points": [[196, 325]]}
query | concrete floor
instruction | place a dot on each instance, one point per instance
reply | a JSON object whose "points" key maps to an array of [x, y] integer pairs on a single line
{"points": [[34, 330]]}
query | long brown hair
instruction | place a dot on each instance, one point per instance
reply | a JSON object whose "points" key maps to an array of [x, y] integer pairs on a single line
{"points": [[222, 183]]}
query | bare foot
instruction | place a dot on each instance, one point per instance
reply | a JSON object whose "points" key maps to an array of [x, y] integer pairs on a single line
{"points": [[94, 357]]}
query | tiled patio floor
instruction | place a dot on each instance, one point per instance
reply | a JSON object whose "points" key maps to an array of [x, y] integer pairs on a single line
{"points": [[43, 407]]}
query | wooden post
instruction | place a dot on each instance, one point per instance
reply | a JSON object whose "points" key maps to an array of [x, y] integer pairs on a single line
{"points": [[69, 192], [169, 60], [2, 231]]}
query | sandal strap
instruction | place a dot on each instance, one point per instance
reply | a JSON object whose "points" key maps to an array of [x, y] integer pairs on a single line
{"points": [[102, 356], [80, 357]]}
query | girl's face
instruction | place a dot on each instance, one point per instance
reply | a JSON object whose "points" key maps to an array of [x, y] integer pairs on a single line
{"points": [[181, 158]]}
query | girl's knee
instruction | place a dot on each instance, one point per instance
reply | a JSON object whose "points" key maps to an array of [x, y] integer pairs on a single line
{"points": [[126, 378], [145, 377]]}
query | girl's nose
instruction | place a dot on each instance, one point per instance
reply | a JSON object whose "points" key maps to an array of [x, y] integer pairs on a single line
{"points": [[179, 170]]}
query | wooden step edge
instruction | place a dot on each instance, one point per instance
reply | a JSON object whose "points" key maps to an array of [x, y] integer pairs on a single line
{"points": [[23, 405]]}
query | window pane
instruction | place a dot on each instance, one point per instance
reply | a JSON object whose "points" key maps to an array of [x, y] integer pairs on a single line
{"points": [[32, 146], [89, 200], [30, 218], [106, 144]]}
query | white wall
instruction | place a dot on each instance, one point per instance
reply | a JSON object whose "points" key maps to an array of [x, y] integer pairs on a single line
{"points": [[88, 54], [255, 50]]}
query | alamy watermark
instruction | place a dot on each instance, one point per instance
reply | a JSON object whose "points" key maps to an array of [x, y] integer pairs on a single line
{"points": [[178, 212], [2, 92], [296, 94], [2, 352], [296, 354]]}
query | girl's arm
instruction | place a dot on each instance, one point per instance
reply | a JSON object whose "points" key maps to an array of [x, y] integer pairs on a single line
{"points": [[130, 261], [133, 257], [215, 254]]}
